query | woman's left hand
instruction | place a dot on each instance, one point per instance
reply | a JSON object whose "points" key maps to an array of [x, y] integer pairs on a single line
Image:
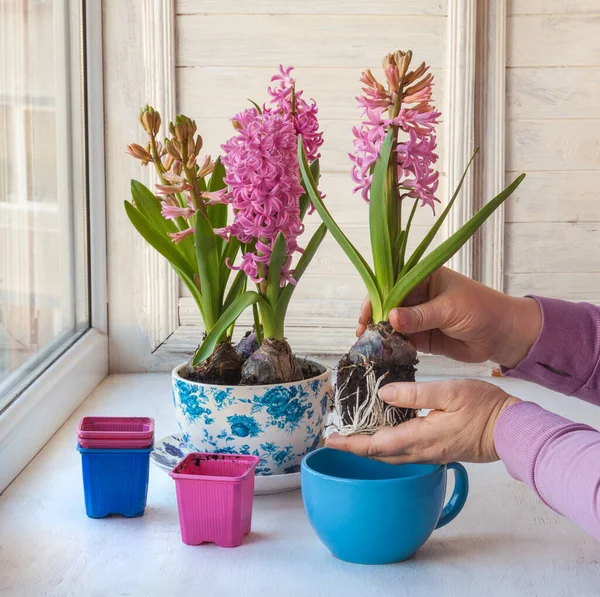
{"points": [[460, 428]]}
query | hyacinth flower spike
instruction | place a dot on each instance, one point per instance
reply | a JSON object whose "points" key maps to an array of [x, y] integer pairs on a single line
{"points": [[269, 204], [392, 162], [180, 220]]}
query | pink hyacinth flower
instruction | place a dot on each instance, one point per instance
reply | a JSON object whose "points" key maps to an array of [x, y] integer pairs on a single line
{"points": [[264, 188], [415, 122], [177, 237]]}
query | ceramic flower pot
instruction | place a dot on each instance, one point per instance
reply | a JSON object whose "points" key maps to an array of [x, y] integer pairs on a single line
{"points": [[279, 423]]}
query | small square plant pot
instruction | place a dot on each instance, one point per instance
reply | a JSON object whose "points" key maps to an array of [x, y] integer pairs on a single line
{"points": [[115, 481], [214, 497], [123, 429]]}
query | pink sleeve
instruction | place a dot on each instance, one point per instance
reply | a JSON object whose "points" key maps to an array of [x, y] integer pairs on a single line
{"points": [[558, 459], [566, 355]]}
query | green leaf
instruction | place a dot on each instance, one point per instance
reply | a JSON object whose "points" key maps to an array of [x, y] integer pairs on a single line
{"points": [[237, 287], [315, 170], [151, 208], [446, 250], [217, 213], [402, 241], [164, 246], [257, 324], [378, 218], [194, 291], [362, 267], [276, 264], [420, 250], [229, 254], [255, 105], [228, 317], [303, 263], [399, 248], [208, 268]]}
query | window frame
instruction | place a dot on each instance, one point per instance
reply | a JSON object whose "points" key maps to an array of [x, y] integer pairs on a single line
{"points": [[50, 399]]}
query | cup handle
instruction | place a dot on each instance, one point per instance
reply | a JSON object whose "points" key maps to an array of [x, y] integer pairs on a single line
{"points": [[459, 495]]}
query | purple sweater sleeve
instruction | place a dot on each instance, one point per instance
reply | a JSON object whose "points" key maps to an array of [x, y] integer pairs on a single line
{"points": [[559, 459], [566, 355]]}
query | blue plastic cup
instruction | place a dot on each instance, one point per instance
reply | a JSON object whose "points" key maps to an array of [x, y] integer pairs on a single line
{"points": [[115, 481], [369, 512]]}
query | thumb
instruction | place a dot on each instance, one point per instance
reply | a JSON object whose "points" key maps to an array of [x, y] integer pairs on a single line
{"points": [[419, 318]]}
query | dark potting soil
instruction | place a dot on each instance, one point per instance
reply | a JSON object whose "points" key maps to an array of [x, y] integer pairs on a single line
{"points": [[352, 377]]}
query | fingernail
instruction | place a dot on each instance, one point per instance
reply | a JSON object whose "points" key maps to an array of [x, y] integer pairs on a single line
{"points": [[330, 440], [401, 317], [386, 393]]}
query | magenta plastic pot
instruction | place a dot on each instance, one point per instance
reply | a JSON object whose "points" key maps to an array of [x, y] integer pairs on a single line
{"points": [[214, 497], [116, 428], [115, 444]]}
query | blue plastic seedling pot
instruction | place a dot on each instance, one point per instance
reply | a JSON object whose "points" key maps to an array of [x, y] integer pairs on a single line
{"points": [[115, 481]]}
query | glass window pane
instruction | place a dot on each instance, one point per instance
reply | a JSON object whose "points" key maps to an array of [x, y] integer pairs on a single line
{"points": [[43, 229]]}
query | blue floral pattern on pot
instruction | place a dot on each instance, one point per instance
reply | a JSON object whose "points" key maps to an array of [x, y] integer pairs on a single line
{"points": [[279, 423]]}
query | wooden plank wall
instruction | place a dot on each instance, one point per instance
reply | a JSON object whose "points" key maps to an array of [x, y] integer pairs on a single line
{"points": [[227, 52], [552, 240]]}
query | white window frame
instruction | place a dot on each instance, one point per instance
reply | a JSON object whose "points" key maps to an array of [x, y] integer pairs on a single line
{"points": [[41, 409]]}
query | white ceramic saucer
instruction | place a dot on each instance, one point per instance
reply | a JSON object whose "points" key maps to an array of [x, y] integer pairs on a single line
{"points": [[169, 450]]}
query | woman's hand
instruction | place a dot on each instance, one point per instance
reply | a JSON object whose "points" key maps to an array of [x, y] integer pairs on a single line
{"points": [[461, 428], [452, 315]]}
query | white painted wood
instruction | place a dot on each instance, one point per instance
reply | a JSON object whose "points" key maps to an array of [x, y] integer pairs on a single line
{"points": [[133, 320], [206, 92], [550, 145], [554, 40], [505, 542], [556, 92], [325, 41], [551, 247], [312, 7], [460, 120], [566, 286], [537, 7], [158, 34], [490, 132], [560, 196], [95, 171], [47, 403], [553, 132]]}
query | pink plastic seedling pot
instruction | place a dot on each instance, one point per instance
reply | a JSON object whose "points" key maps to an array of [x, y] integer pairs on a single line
{"points": [[115, 444], [116, 428], [214, 497]]}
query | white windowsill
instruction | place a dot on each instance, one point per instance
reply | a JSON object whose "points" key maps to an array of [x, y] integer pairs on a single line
{"points": [[505, 542]]}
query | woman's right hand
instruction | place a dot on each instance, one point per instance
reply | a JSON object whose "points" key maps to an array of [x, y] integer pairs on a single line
{"points": [[454, 316]]}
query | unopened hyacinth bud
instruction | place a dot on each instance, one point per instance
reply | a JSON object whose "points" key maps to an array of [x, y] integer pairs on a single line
{"points": [[138, 152], [150, 120], [198, 145], [177, 167], [191, 147], [183, 128], [173, 149], [168, 162], [390, 68], [207, 167]]}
